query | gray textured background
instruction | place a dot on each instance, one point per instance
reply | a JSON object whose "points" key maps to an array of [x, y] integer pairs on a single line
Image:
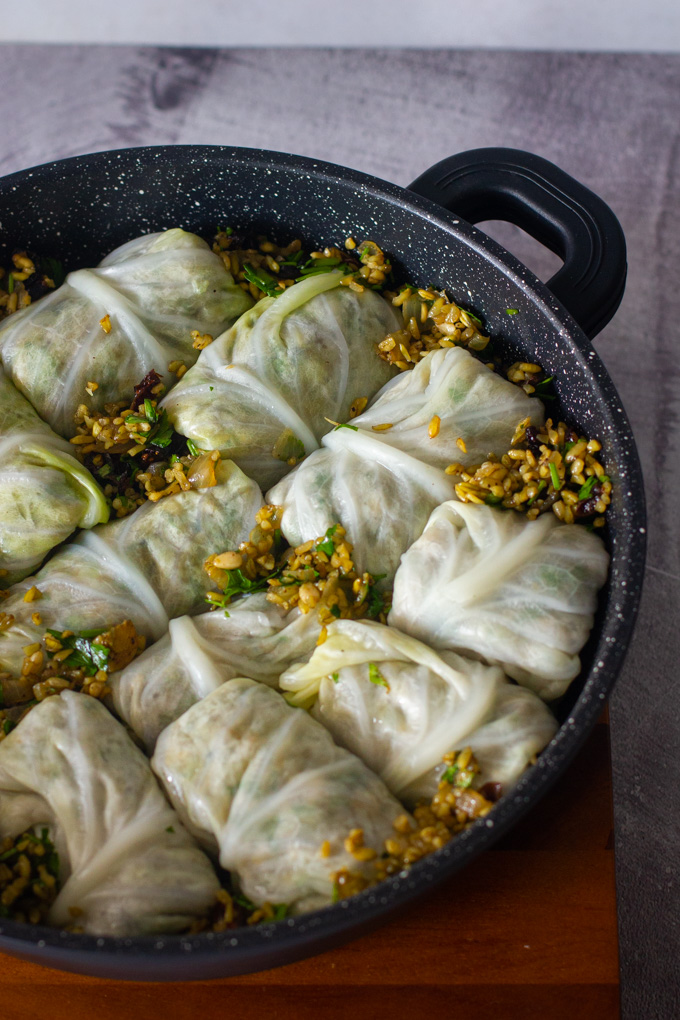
{"points": [[613, 121]]}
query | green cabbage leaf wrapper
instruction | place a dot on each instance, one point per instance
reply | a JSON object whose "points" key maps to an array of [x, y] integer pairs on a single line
{"points": [[126, 864], [400, 706], [155, 290], [491, 583], [147, 567], [199, 654], [381, 496], [45, 494], [473, 403], [263, 785], [262, 392]]}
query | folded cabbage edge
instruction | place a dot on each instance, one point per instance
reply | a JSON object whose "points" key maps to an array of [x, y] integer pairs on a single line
{"points": [[98, 509], [127, 865], [401, 707], [154, 289], [264, 391], [146, 567], [199, 654], [267, 785], [489, 582]]}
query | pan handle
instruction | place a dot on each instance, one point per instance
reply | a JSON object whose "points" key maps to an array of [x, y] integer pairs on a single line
{"points": [[570, 220]]}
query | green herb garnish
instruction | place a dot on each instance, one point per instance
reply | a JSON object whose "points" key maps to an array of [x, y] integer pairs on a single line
{"points": [[86, 655], [376, 677], [244, 902], [586, 489], [192, 448], [492, 500], [314, 267], [262, 279], [511, 311], [378, 602], [475, 318], [150, 411], [554, 477], [53, 269], [335, 677], [327, 546], [237, 584], [541, 486], [461, 779], [162, 434], [293, 260]]}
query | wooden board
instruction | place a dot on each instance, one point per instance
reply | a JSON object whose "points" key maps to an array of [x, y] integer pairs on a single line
{"points": [[527, 931]]}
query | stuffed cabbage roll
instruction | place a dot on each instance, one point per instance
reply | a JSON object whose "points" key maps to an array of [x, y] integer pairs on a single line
{"points": [[262, 392], [492, 583], [264, 784], [45, 494], [198, 655], [381, 496], [113, 324], [401, 707], [472, 402], [146, 568], [126, 864]]}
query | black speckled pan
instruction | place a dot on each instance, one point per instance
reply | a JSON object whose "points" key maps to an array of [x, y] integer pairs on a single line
{"points": [[79, 209]]}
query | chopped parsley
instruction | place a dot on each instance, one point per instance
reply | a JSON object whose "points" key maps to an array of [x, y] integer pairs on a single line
{"points": [[335, 677], [378, 602], [376, 677], [453, 774], [327, 545], [86, 655], [161, 431], [238, 584]]}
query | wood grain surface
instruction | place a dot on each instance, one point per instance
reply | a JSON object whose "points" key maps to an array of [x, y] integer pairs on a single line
{"points": [[527, 931]]}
